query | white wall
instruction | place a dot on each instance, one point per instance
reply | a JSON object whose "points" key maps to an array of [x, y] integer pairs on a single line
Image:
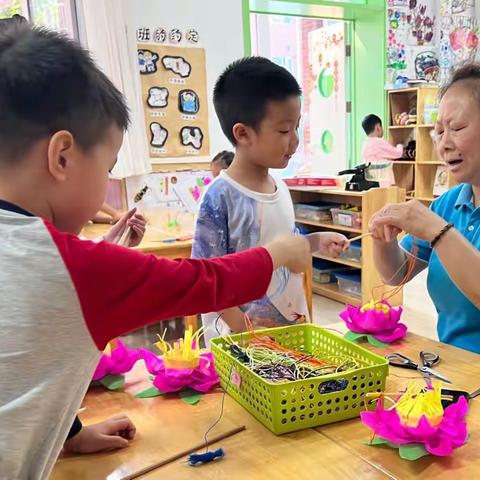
{"points": [[219, 24]]}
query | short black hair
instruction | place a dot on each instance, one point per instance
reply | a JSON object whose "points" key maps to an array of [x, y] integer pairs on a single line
{"points": [[370, 122], [468, 74], [49, 83], [245, 87], [225, 158]]}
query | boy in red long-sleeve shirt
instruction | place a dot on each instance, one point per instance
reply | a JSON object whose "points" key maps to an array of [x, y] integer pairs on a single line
{"points": [[62, 298]]}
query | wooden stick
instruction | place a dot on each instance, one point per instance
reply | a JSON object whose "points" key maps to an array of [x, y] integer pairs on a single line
{"points": [[359, 237], [177, 456], [124, 239]]}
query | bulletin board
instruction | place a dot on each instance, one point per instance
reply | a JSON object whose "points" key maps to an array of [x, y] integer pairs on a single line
{"points": [[175, 100]]}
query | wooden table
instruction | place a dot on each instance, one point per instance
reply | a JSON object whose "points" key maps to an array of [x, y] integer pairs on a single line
{"points": [[168, 425], [153, 242]]}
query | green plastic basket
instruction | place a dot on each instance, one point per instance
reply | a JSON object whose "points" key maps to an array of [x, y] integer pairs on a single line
{"points": [[290, 406]]}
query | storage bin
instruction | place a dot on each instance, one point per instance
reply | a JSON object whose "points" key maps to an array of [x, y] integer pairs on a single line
{"points": [[350, 282], [290, 406], [317, 212], [354, 252], [347, 218]]}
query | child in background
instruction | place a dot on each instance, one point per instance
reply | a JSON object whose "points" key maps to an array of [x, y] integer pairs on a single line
{"points": [[62, 298], [221, 161], [258, 105], [379, 152]]}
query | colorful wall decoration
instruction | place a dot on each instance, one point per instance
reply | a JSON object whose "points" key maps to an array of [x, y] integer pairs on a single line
{"points": [[327, 146], [458, 34], [175, 98], [426, 39], [411, 35], [180, 191]]}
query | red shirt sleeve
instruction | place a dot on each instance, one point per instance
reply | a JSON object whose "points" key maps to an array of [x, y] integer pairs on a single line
{"points": [[120, 289]]}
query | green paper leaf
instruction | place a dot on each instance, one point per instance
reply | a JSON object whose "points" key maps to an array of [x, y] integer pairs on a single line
{"points": [[149, 392], [375, 441], [192, 397], [412, 451], [352, 336], [113, 382], [376, 343], [151, 377]]}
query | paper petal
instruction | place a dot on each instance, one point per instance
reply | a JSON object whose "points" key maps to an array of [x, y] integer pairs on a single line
{"points": [[190, 396], [113, 382], [376, 343], [352, 336], [375, 441], [412, 451], [149, 393]]}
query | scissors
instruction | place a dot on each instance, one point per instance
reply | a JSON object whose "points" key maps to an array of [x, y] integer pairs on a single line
{"points": [[428, 360]]}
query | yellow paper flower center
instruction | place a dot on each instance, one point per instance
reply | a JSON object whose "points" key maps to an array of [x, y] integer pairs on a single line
{"points": [[417, 402], [372, 305], [185, 353]]}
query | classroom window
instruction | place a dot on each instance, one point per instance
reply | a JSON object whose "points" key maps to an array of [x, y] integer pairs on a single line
{"points": [[57, 15], [314, 51]]}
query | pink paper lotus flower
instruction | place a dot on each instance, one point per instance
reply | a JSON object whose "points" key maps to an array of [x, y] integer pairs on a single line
{"points": [[183, 365], [202, 378], [439, 434], [380, 320], [120, 360]]}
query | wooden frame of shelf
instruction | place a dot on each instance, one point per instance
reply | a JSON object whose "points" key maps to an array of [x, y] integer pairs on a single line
{"points": [[369, 202], [424, 169]]}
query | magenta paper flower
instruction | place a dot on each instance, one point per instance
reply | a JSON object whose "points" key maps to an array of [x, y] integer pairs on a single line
{"points": [[379, 320], [120, 360], [439, 436], [202, 378]]}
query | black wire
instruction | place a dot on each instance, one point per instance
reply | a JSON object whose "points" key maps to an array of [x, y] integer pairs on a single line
{"points": [[216, 324], [215, 423]]}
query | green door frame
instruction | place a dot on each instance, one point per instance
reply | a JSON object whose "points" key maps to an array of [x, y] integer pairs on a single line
{"points": [[367, 64]]}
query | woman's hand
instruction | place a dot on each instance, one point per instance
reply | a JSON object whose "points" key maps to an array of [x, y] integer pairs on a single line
{"points": [[412, 217]]}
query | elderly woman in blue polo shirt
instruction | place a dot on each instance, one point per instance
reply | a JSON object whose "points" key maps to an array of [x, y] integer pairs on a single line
{"points": [[446, 236]]}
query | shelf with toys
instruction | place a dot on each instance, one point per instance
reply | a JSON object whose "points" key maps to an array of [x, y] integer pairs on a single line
{"points": [[351, 277], [412, 113]]}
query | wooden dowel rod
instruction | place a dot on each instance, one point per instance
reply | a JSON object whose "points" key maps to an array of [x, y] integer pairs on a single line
{"points": [[177, 456], [358, 237]]}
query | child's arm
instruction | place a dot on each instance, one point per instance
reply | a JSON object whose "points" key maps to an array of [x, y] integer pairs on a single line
{"points": [[120, 290], [387, 151]]}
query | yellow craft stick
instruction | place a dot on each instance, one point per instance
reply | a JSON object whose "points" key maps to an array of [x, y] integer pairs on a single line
{"points": [[358, 237]]}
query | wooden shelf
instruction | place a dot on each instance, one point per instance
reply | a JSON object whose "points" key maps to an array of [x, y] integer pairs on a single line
{"points": [[331, 226], [368, 202], [432, 163], [404, 162], [332, 291], [426, 125], [342, 261], [326, 191], [401, 127], [425, 199]]}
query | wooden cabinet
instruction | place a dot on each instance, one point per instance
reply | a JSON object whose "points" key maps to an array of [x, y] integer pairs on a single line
{"points": [[416, 176], [368, 202]]}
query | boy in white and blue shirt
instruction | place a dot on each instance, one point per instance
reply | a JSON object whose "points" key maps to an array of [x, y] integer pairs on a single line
{"points": [[258, 106]]}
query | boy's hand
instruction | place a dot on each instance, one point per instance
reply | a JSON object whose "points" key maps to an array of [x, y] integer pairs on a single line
{"points": [[290, 251], [135, 221], [328, 243], [111, 434]]}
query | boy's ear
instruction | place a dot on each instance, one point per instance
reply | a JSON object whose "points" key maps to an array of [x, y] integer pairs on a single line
{"points": [[60, 152], [242, 133]]}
